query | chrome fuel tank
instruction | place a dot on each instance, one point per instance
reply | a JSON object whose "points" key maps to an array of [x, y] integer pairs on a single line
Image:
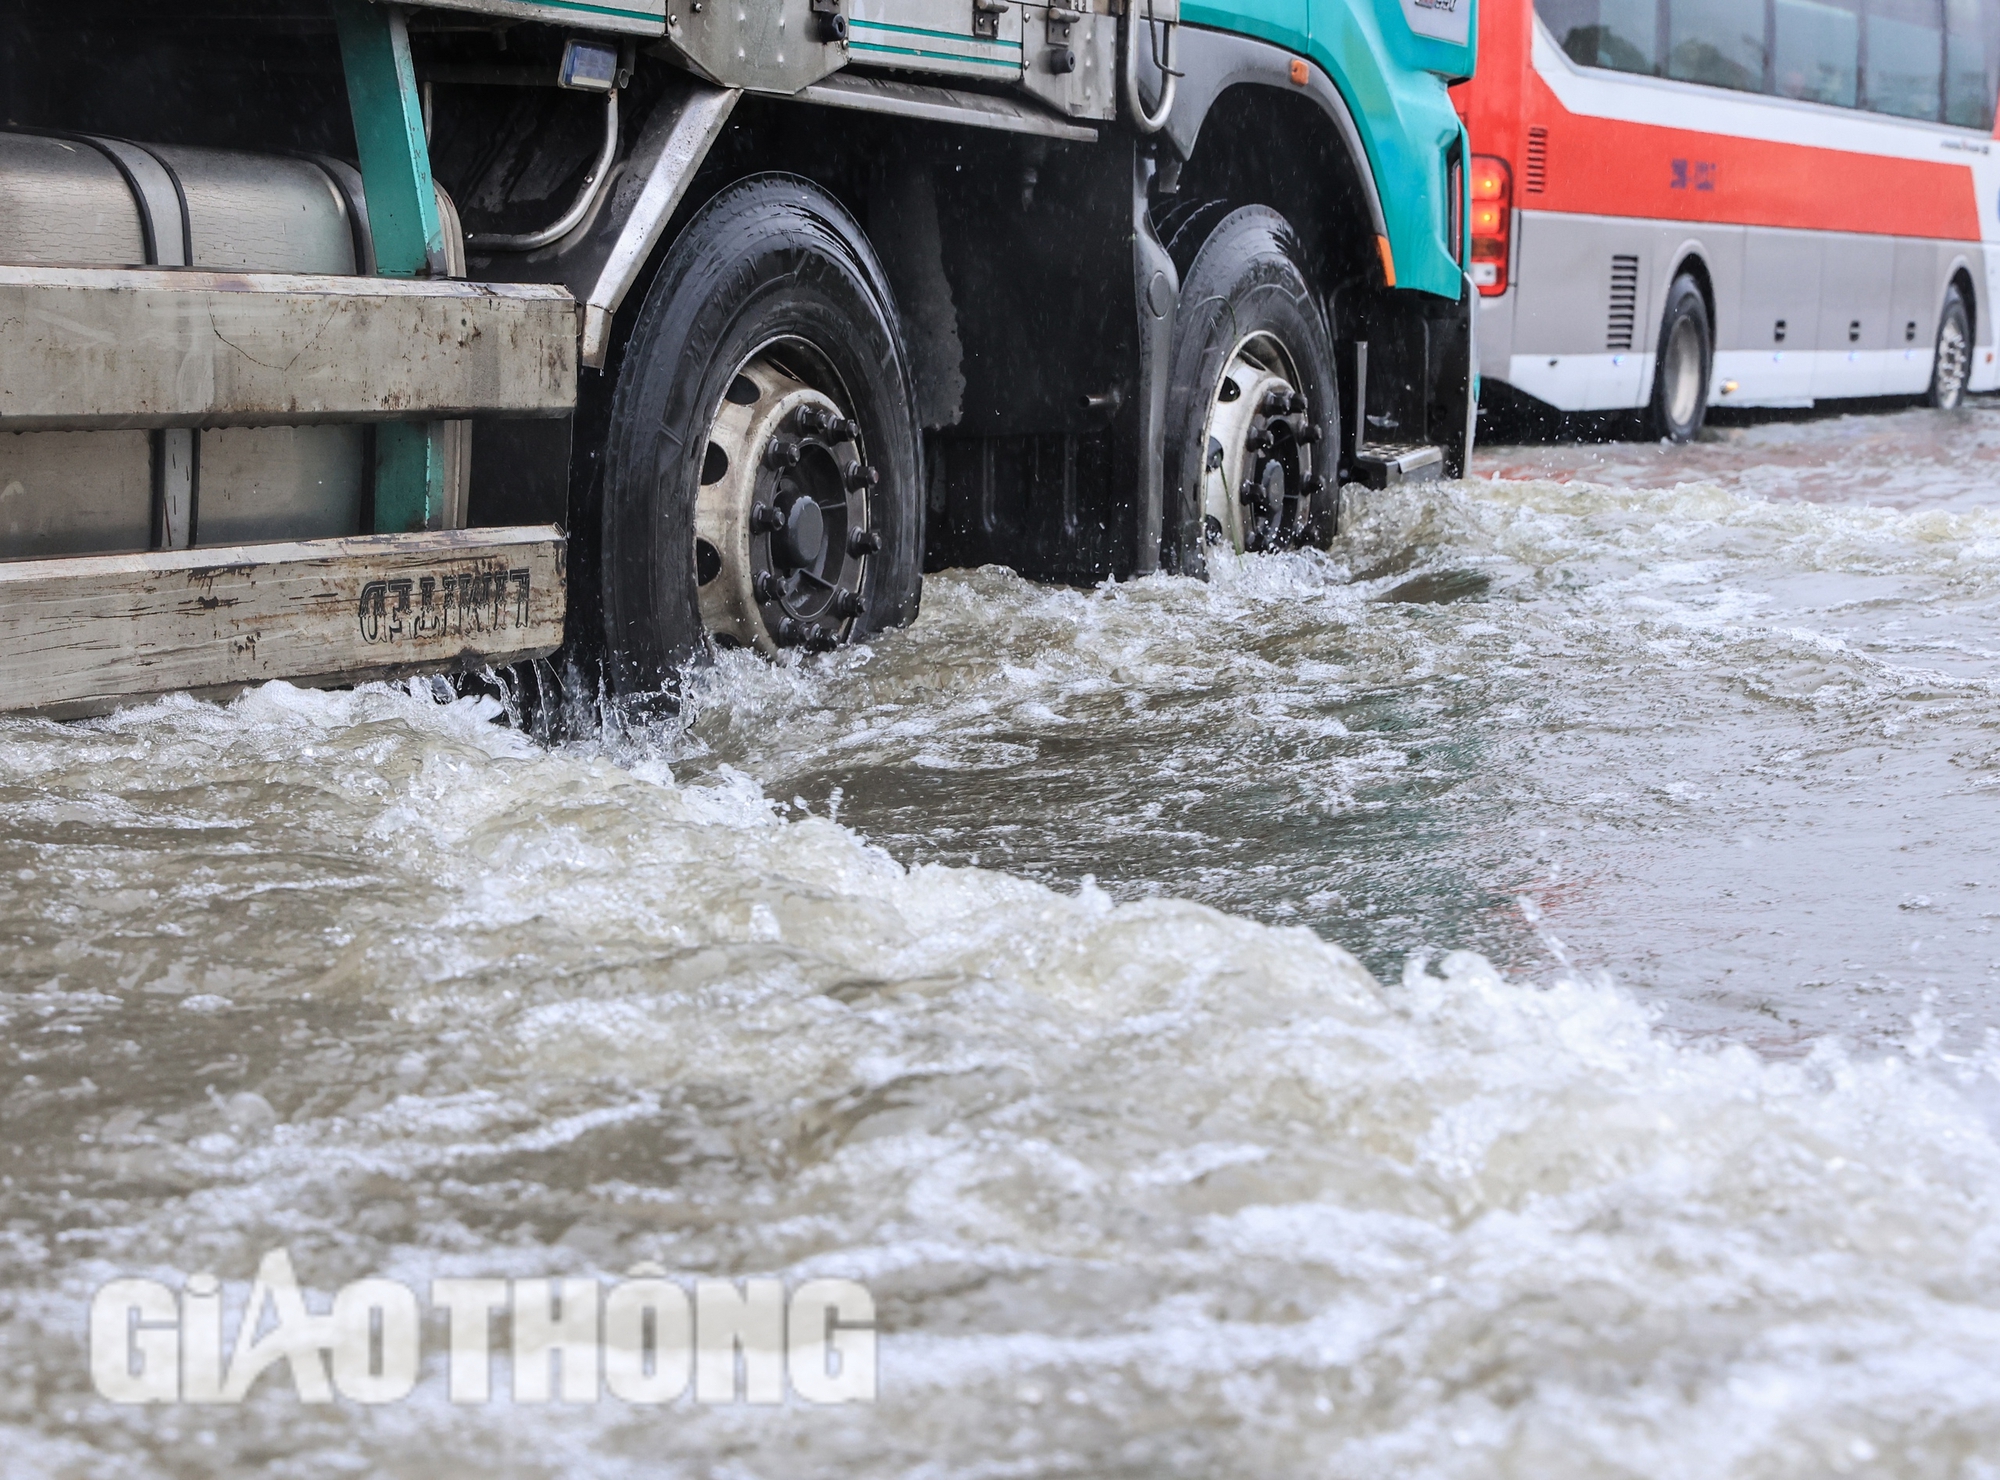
{"points": [[85, 200]]}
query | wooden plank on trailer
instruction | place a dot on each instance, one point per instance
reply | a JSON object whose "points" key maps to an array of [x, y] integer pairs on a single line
{"points": [[101, 348], [87, 631]]}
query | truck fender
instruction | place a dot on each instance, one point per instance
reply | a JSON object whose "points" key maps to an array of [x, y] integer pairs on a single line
{"points": [[1211, 62]]}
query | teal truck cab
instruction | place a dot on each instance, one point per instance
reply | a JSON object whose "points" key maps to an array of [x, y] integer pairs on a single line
{"points": [[564, 342]]}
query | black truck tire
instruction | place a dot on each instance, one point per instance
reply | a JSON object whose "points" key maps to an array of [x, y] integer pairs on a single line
{"points": [[772, 290], [1248, 320], [1681, 373]]}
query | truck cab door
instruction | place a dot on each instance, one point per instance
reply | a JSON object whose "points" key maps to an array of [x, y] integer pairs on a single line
{"points": [[1282, 22]]}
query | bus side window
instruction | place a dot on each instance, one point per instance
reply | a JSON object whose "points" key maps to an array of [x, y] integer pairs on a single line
{"points": [[1928, 59], [1719, 42], [1817, 51], [1972, 62], [1622, 35], [1905, 58]]}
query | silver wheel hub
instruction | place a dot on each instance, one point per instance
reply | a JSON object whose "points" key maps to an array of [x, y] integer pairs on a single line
{"points": [[784, 524], [1683, 373], [1257, 472]]}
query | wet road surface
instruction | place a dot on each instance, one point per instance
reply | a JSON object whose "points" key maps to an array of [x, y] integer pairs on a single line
{"points": [[1005, 966]]}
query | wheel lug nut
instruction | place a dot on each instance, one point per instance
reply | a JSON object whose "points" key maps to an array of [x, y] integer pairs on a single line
{"points": [[862, 476], [790, 632], [830, 426], [781, 454], [765, 519], [863, 542], [1298, 407], [847, 604], [1311, 435], [819, 640], [767, 587]]}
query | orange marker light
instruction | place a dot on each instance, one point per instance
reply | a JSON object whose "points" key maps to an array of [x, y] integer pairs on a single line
{"points": [[1492, 185], [1299, 73]]}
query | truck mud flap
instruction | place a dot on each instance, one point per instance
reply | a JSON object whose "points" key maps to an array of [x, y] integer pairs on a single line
{"points": [[84, 634]]}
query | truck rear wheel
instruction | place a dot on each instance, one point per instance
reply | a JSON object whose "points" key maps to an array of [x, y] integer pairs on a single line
{"points": [[761, 472], [1252, 402], [1680, 380], [1953, 362]]}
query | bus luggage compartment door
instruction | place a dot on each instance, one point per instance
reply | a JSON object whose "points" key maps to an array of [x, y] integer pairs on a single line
{"points": [[1856, 277], [1769, 350]]}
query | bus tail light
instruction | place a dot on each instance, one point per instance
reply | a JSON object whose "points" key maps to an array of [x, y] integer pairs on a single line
{"points": [[1492, 222]]}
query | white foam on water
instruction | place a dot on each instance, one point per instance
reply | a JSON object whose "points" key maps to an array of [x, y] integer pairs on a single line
{"points": [[1140, 1188], [1558, 689]]}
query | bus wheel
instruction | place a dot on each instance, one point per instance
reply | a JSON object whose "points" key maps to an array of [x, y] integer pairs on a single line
{"points": [[1680, 381], [1252, 405], [761, 465], [1953, 361]]}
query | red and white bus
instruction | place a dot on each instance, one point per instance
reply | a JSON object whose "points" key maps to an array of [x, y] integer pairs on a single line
{"points": [[1680, 204]]}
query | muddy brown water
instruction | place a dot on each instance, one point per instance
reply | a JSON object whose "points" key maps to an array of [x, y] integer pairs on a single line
{"points": [[1515, 995]]}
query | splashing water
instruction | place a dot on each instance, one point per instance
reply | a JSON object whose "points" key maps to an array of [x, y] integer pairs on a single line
{"points": [[1737, 748], [1142, 1186]]}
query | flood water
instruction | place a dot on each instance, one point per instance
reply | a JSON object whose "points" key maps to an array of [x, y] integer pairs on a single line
{"points": [[1516, 995]]}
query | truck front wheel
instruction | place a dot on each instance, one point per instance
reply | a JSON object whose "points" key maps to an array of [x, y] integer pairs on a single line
{"points": [[1253, 415], [761, 471]]}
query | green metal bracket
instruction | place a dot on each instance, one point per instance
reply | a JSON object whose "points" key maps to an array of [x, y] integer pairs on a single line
{"points": [[403, 218], [389, 132], [409, 476]]}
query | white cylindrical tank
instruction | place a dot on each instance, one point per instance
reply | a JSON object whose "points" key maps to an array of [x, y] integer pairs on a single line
{"points": [[84, 200]]}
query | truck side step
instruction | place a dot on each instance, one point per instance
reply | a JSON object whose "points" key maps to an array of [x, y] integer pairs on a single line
{"points": [[1378, 465], [84, 633]]}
